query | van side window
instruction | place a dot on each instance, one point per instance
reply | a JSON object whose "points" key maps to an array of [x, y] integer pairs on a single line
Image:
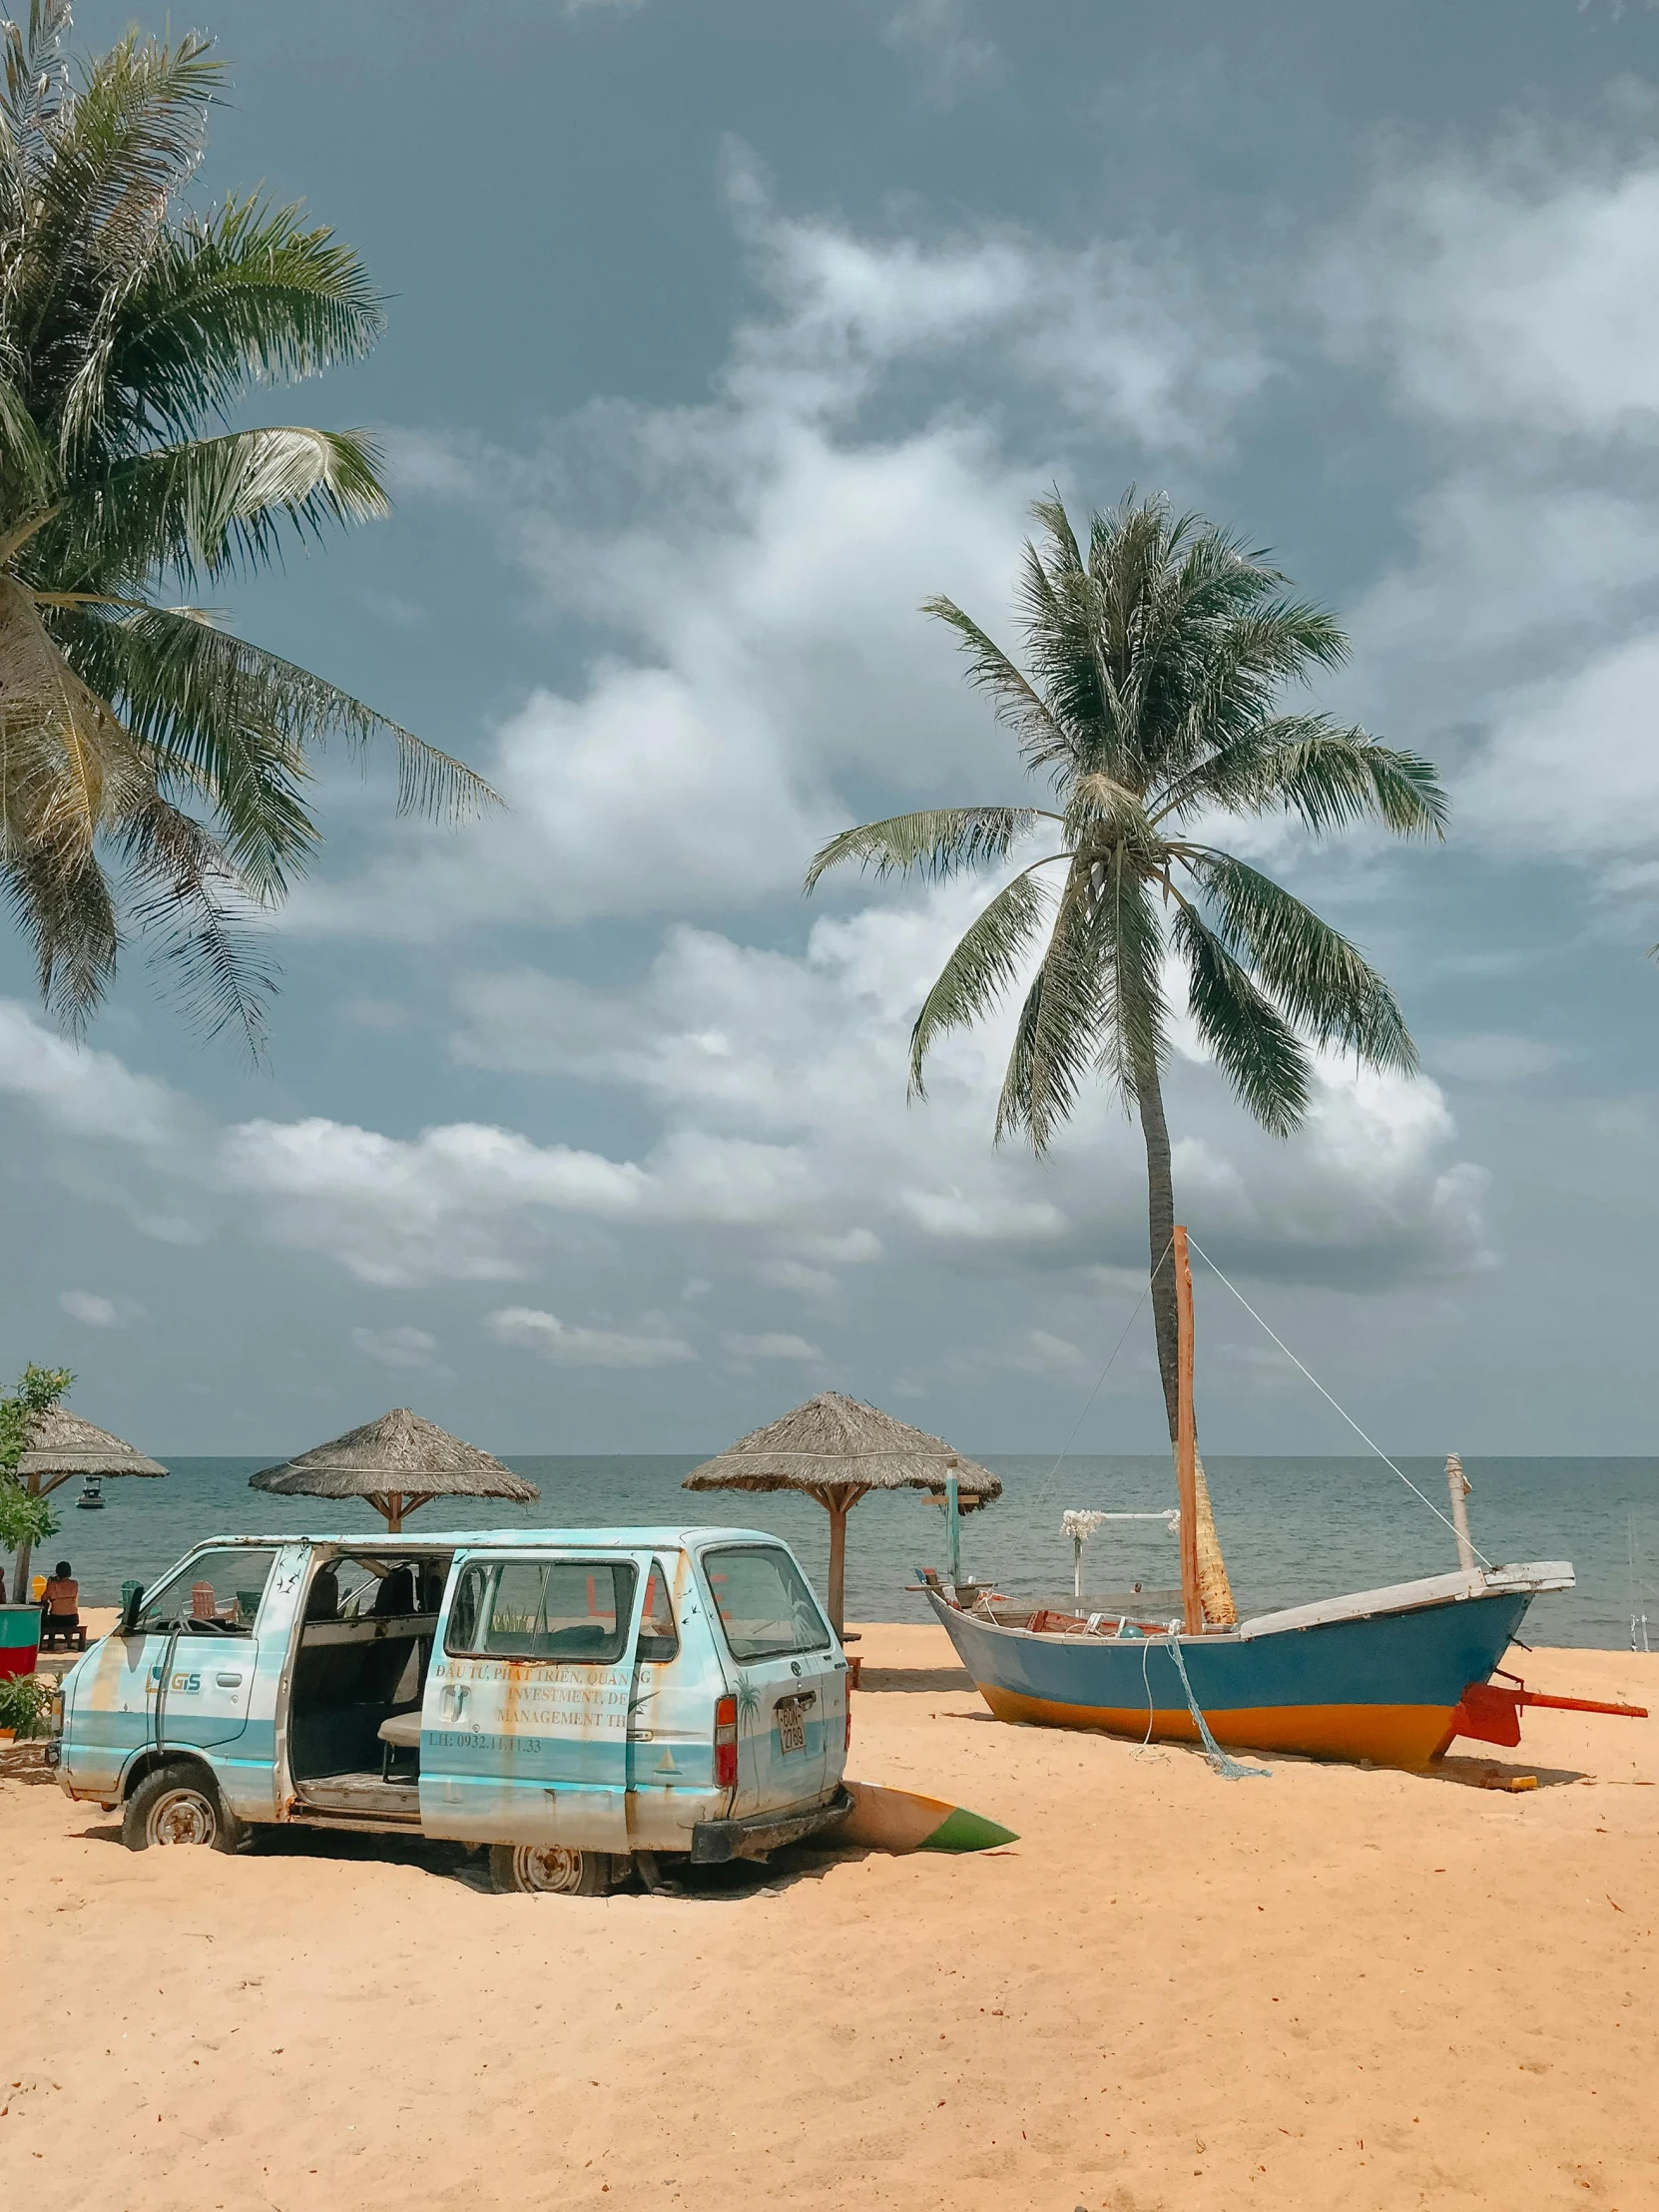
{"points": [[765, 1610], [576, 1611], [658, 1638], [462, 1631]]}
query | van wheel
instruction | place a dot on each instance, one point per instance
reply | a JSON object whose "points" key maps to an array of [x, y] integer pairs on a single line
{"points": [[179, 1805], [538, 1868]]}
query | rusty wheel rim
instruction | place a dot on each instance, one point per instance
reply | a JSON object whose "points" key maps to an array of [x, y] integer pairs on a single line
{"points": [[181, 1817], [547, 1866]]}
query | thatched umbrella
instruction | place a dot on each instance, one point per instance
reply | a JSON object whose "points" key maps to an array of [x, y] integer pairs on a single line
{"points": [[62, 1446], [836, 1448], [399, 1464]]}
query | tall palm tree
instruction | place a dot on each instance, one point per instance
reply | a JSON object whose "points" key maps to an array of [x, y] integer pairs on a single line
{"points": [[153, 767], [1158, 658]]}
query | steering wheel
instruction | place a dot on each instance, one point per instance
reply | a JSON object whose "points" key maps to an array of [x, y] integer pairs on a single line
{"points": [[194, 1627]]}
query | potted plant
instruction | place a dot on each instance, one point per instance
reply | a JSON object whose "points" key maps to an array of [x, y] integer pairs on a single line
{"points": [[25, 1700]]}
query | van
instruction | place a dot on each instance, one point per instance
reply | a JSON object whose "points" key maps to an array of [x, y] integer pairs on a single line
{"points": [[579, 1701]]}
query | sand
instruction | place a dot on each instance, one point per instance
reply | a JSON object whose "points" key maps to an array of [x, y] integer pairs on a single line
{"points": [[1334, 1987]]}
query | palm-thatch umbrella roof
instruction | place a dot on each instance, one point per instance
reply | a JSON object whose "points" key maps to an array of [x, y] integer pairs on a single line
{"points": [[62, 1445], [836, 1450], [399, 1464]]}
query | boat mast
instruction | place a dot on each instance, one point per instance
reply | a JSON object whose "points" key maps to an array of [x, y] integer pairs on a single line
{"points": [[1186, 1441]]}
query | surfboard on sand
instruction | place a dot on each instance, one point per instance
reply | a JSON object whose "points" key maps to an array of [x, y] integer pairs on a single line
{"points": [[901, 1821]]}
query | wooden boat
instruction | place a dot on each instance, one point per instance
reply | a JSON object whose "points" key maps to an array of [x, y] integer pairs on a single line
{"points": [[1388, 1675]]}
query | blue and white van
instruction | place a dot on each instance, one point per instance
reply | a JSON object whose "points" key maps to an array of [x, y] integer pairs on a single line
{"points": [[577, 1700]]}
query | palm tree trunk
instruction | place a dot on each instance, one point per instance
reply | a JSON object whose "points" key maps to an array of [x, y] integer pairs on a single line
{"points": [[1160, 1214], [1213, 1588], [23, 1557]]}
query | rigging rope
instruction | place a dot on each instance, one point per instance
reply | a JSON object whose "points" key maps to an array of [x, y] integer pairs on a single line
{"points": [[1329, 1400], [1230, 1768], [1107, 1368]]}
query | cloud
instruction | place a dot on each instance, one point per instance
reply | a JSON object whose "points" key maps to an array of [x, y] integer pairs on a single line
{"points": [[1519, 287], [469, 1202], [1124, 335], [525, 1329], [1571, 766], [1510, 295], [83, 1092], [943, 31], [1036, 1352], [97, 1312], [805, 1054], [771, 1345], [1492, 1057], [745, 575], [398, 1348]]}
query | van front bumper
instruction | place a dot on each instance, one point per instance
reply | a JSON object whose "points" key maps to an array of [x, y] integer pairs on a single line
{"points": [[714, 1841]]}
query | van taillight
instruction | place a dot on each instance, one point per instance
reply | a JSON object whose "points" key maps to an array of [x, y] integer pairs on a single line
{"points": [[726, 1744]]}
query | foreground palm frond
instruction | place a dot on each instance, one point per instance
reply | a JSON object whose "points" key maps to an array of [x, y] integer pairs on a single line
{"points": [[154, 769]]}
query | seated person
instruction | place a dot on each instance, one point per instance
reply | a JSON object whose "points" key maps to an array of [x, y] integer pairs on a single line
{"points": [[60, 1607]]}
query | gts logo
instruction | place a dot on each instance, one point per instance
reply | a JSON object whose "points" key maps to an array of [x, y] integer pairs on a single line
{"points": [[183, 1684]]}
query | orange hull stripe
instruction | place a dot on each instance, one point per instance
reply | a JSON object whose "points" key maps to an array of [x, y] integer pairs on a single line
{"points": [[1391, 1735]]}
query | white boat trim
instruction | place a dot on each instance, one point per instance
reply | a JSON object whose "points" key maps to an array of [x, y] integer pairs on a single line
{"points": [[1406, 1597]]}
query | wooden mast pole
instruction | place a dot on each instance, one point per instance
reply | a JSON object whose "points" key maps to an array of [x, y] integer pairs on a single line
{"points": [[1186, 1441]]}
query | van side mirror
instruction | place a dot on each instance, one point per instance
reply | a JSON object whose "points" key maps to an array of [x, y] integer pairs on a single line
{"points": [[130, 1611]]}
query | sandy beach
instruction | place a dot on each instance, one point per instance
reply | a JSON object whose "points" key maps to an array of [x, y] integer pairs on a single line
{"points": [[1333, 1987]]}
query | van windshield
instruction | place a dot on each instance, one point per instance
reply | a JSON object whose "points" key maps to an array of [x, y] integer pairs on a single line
{"points": [[766, 1609], [215, 1593]]}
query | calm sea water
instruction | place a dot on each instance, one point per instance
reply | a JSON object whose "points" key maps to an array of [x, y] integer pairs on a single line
{"points": [[1292, 1529]]}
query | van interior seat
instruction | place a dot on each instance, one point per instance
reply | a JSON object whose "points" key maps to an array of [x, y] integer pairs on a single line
{"points": [[401, 1730], [360, 1664]]}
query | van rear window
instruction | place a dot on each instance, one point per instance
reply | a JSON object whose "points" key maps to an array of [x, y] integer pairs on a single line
{"points": [[766, 1609], [576, 1611]]}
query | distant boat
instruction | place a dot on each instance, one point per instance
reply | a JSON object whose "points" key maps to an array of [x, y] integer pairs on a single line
{"points": [[1388, 1675], [90, 1499]]}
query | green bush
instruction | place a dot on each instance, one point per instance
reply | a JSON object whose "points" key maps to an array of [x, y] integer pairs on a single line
{"points": [[24, 1703]]}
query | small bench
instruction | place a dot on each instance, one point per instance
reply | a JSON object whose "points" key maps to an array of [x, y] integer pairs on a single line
{"points": [[67, 1629]]}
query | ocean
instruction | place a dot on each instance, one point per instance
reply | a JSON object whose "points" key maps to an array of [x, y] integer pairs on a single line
{"points": [[1293, 1529]]}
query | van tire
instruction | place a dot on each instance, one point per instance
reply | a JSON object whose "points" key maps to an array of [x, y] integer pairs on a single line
{"points": [[547, 1870], [180, 1803]]}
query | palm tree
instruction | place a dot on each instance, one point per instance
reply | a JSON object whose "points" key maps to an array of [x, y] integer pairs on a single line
{"points": [[1157, 664], [153, 767]]}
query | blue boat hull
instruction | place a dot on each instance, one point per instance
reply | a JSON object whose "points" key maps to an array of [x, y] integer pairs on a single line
{"points": [[1382, 1687]]}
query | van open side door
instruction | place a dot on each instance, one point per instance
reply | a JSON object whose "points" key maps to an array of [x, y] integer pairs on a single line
{"points": [[524, 1723]]}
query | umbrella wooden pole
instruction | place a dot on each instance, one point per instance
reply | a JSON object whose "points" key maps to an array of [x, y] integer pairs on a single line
{"points": [[837, 1565]]}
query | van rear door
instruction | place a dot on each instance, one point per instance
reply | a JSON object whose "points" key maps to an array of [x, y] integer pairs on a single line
{"points": [[789, 1675], [524, 1723]]}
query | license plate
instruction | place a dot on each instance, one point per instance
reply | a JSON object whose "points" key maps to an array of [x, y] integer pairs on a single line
{"points": [[791, 1729]]}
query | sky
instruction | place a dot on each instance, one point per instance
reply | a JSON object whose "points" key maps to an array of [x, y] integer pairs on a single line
{"points": [[720, 334]]}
